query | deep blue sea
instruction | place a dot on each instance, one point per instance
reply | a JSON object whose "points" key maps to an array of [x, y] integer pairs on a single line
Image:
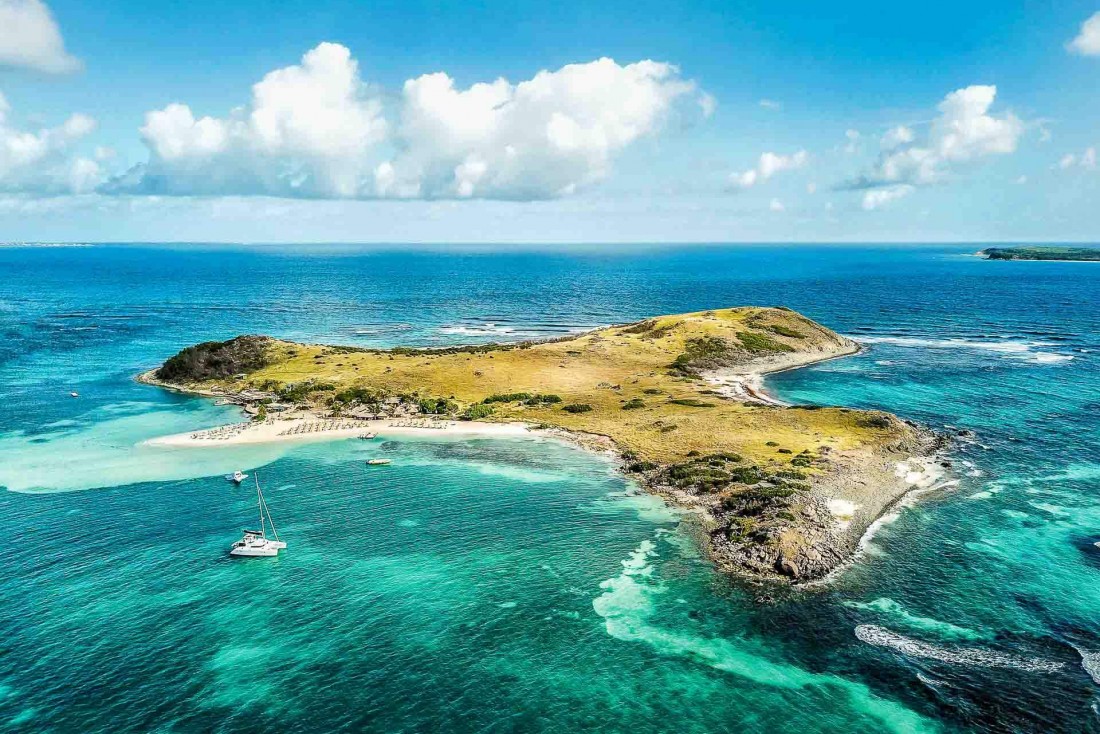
{"points": [[522, 585]]}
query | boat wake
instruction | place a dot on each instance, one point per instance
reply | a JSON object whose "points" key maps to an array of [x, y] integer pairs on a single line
{"points": [[882, 637]]}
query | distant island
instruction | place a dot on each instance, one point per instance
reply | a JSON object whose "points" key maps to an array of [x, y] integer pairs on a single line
{"points": [[1075, 254], [781, 491]]}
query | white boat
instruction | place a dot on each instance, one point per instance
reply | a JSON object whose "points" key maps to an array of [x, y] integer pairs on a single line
{"points": [[75, 394], [255, 543], [377, 462], [368, 436], [237, 476]]}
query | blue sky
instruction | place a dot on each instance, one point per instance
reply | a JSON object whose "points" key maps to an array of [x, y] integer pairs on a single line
{"points": [[705, 122]]}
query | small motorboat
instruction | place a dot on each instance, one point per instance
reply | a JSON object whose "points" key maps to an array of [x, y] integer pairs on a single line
{"points": [[255, 543], [74, 394], [237, 477], [377, 462], [368, 436]]}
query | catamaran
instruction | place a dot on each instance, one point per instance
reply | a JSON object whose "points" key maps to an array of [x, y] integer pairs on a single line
{"points": [[255, 543]]}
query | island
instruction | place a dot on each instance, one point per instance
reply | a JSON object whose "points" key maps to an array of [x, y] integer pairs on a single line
{"points": [[780, 491], [1044, 252]]}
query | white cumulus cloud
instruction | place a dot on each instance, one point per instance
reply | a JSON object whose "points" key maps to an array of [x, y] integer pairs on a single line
{"points": [[965, 131], [309, 130], [43, 161], [1086, 160], [30, 38], [1087, 41], [768, 165], [541, 138], [897, 136], [317, 130], [876, 198]]}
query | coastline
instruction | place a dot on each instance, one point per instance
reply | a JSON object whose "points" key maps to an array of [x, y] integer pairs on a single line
{"points": [[748, 385], [858, 492]]}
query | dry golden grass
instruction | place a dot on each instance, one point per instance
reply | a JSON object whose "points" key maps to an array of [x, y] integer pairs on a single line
{"points": [[605, 369]]}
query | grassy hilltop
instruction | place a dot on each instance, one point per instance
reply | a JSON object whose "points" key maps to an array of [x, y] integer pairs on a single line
{"points": [[638, 384]]}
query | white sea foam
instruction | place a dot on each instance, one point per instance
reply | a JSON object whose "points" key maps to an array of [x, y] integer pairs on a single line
{"points": [[882, 637], [629, 601], [923, 476], [1090, 661], [946, 630], [1009, 348], [482, 330]]}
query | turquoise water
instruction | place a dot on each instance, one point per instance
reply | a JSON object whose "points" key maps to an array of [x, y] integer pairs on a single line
{"points": [[523, 585]]}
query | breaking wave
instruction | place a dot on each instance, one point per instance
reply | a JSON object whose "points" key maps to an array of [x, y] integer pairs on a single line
{"points": [[1012, 349]]}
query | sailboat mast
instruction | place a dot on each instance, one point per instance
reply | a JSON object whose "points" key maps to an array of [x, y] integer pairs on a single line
{"points": [[259, 502], [265, 514]]}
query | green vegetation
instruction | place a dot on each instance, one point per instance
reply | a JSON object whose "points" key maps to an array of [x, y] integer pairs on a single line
{"points": [[579, 383], [437, 406], [522, 397], [785, 331], [755, 342], [512, 397], [217, 360], [691, 402], [1077, 254], [477, 412]]}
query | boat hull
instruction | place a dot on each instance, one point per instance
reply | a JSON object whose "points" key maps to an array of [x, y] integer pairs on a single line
{"points": [[253, 552]]}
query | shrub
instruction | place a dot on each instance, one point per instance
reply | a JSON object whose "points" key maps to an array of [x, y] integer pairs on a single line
{"points": [[652, 391], [785, 331], [577, 408], [436, 406], [510, 397], [875, 421], [760, 343], [477, 411], [691, 402], [542, 400], [633, 404]]}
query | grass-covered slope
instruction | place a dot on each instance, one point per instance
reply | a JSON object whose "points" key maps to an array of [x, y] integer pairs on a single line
{"points": [[638, 384]]}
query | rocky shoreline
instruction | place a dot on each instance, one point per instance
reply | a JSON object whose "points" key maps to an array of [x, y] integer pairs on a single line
{"points": [[825, 528]]}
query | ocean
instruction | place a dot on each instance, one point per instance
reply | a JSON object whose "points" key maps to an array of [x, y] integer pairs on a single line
{"points": [[522, 585]]}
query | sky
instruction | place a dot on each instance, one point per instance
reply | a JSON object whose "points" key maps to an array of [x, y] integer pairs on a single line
{"points": [[523, 122]]}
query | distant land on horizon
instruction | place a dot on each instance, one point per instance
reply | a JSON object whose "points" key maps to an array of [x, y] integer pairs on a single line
{"points": [[1041, 252]]}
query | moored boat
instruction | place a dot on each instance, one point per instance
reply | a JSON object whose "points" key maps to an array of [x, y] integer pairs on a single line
{"points": [[237, 476], [377, 462], [255, 543]]}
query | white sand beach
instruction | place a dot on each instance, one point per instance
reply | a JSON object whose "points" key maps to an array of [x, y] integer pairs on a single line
{"points": [[312, 428]]}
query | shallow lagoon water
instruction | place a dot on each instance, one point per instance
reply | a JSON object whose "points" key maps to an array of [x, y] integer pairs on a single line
{"points": [[523, 585]]}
